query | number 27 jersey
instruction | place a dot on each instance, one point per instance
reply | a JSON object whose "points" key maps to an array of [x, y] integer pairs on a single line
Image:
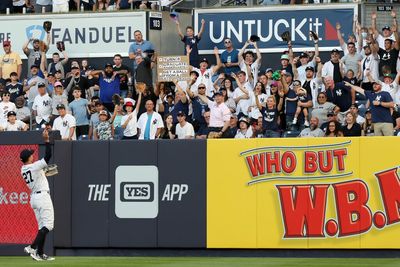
{"points": [[34, 176]]}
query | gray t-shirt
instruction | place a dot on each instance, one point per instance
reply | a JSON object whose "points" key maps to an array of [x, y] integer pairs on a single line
{"points": [[59, 99], [321, 112], [351, 62], [307, 132], [79, 111], [34, 58]]}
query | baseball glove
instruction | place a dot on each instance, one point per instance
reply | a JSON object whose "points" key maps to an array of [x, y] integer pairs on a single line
{"points": [[116, 99], [47, 26], [286, 36], [51, 170], [60, 46], [140, 86], [314, 36]]}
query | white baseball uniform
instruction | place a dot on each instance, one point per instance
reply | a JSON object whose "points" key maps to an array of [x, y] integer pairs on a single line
{"points": [[41, 203]]}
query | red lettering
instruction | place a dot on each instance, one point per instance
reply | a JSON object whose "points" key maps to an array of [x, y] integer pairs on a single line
{"points": [[339, 154], [325, 163], [310, 163], [256, 164], [303, 215], [390, 189], [288, 156], [273, 161], [351, 200]]}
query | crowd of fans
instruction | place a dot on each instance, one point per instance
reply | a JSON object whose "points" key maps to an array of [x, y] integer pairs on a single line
{"points": [[351, 95]]}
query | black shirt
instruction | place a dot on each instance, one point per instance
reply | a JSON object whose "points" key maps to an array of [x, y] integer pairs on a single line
{"points": [[144, 73], [270, 119], [340, 96], [83, 84], [15, 91], [388, 59], [355, 130], [123, 77]]}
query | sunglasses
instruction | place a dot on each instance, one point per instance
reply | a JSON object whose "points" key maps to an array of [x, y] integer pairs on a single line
{"points": [[201, 87], [227, 42]]}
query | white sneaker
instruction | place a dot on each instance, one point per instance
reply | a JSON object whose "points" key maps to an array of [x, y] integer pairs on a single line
{"points": [[29, 250], [294, 121], [306, 123], [36, 256], [47, 258]]}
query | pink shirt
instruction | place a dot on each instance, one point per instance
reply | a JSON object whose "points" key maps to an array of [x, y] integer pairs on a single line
{"points": [[219, 114]]}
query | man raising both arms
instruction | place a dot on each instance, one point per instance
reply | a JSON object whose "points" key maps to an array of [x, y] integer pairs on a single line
{"points": [[34, 176]]}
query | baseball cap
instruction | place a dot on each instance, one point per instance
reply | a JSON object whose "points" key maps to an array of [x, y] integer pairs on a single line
{"points": [[387, 75], [25, 154], [34, 66], [335, 51], [41, 84], [285, 57], [6, 43], [60, 106], [386, 27], [274, 83], [204, 60], [194, 72], [11, 113], [368, 111], [108, 65], [50, 74], [303, 55], [331, 113], [269, 70], [74, 67], [103, 112], [218, 93], [181, 113], [244, 119], [56, 84], [309, 68]]}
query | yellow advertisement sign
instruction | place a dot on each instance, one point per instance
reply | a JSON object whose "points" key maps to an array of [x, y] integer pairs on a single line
{"points": [[303, 193]]}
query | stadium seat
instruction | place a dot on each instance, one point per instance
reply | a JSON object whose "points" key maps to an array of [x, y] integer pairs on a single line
{"points": [[291, 134]]}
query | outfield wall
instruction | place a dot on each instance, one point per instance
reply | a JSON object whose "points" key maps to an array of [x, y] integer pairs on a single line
{"points": [[339, 193]]}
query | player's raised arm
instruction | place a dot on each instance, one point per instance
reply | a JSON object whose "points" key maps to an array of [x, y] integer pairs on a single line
{"points": [[46, 138]]}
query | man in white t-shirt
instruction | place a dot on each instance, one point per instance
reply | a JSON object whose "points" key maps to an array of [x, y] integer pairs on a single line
{"points": [[150, 123], [13, 124], [206, 73], [242, 94], [42, 105], [6, 106], [65, 123], [60, 6], [248, 64], [386, 30], [184, 130]]}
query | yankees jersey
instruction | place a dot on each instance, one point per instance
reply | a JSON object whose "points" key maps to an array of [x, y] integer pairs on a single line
{"points": [[206, 78], [42, 105], [64, 124], [17, 126], [254, 67], [34, 176], [5, 108], [391, 88]]}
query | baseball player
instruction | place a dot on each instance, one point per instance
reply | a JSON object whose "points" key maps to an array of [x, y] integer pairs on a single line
{"points": [[34, 176]]}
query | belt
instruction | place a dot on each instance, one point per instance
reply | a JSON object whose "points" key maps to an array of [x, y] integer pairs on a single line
{"points": [[39, 192]]}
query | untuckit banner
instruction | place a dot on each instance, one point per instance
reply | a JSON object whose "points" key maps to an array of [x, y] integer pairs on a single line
{"points": [[303, 193], [84, 34], [270, 22]]}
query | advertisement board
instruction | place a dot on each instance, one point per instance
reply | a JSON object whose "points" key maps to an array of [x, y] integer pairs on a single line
{"points": [[303, 193], [84, 34], [17, 221], [270, 22]]}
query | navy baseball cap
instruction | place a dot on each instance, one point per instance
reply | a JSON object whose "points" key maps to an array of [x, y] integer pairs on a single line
{"points": [[60, 106], [11, 113], [108, 65], [181, 113], [25, 154], [304, 55], [309, 68], [41, 84]]}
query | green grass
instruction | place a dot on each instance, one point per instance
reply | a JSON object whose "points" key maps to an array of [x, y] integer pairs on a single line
{"points": [[197, 262]]}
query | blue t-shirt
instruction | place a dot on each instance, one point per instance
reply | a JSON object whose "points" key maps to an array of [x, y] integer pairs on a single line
{"points": [[194, 55], [230, 57], [108, 88], [145, 45], [184, 107], [198, 109], [79, 111], [379, 113]]}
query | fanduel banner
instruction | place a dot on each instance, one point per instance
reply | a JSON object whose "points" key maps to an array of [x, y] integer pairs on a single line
{"points": [[269, 23], [84, 35]]}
